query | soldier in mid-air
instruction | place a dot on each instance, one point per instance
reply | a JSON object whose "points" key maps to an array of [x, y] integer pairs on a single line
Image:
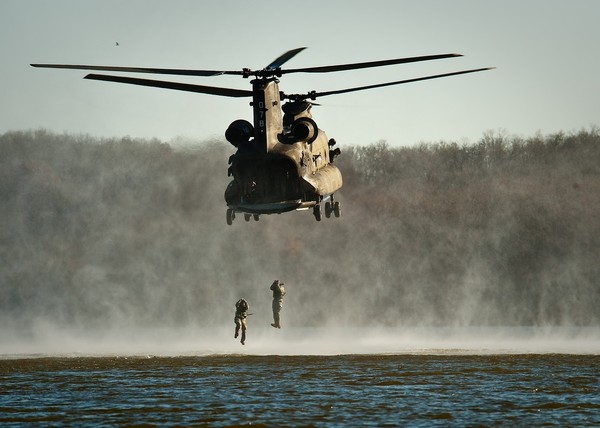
{"points": [[278, 293], [241, 312]]}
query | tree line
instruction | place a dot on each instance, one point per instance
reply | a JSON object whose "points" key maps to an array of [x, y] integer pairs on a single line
{"points": [[503, 231]]}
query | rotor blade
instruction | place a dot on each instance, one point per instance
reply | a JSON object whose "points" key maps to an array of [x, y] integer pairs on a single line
{"points": [[285, 58], [381, 85], [212, 90], [176, 71], [355, 66]]}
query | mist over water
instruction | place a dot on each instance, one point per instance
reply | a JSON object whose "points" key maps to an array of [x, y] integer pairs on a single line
{"points": [[262, 340], [121, 247]]}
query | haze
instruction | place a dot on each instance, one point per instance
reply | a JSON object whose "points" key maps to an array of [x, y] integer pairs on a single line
{"points": [[121, 246]]}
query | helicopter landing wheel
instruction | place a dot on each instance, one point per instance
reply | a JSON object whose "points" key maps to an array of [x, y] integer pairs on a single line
{"points": [[317, 212], [230, 216], [328, 209], [337, 211], [255, 217], [247, 217]]}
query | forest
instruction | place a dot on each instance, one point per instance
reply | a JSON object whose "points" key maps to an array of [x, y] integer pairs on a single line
{"points": [[98, 232]]}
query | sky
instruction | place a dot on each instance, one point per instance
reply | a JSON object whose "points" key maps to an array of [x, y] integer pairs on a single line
{"points": [[547, 78]]}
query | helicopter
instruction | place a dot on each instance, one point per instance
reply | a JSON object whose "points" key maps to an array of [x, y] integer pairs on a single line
{"points": [[283, 161]]}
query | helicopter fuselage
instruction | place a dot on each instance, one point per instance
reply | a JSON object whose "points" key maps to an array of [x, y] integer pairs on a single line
{"points": [[283, 162]]}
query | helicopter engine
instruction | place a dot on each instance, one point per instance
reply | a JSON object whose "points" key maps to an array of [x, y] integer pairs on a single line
{"points": [[305, 129], [239, 132]]}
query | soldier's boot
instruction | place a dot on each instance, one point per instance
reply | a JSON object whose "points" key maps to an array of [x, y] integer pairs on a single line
{"points": [[237, 332], [276, 321], [243, 336]]}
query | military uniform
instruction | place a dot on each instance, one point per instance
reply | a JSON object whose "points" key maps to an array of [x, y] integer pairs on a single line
{"points": [[241, 312], [278, 293]]}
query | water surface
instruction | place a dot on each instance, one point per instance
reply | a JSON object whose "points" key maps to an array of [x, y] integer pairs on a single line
{"points": [[305, 390]]}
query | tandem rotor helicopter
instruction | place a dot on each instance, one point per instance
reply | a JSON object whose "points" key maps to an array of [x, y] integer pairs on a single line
{"points": [[283, 161]]}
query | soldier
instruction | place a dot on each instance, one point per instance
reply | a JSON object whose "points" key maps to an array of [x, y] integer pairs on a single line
{"points": [[241, 312], [278, 293]]}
